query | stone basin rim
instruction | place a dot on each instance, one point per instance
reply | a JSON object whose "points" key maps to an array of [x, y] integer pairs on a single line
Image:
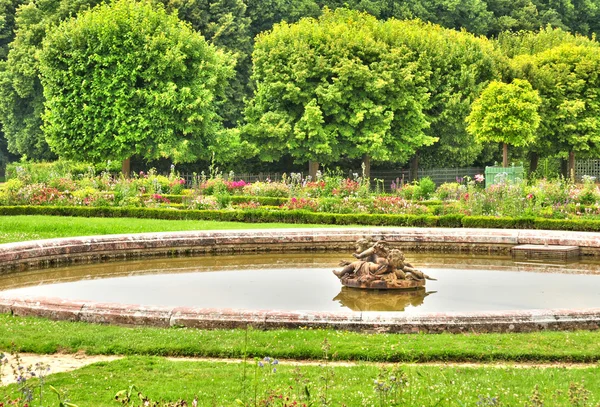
{"points": [[34, 254]]}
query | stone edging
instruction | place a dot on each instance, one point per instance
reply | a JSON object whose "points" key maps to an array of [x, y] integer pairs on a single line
{"points": [[24, 255]]}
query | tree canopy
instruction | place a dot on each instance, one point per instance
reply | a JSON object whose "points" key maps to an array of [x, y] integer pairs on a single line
{"points": [[568, 81], [128, 78], [506, 113], [341, 85]]}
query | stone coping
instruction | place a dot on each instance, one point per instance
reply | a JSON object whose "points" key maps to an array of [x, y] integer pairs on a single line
{"points": [[23, 255]]}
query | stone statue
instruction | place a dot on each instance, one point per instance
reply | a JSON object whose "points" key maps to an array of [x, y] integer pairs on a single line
{"points": [[379, 267]]}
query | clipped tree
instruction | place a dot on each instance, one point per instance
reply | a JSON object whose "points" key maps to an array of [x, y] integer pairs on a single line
{"points": [[337, 86], [128, 78], [506, 113], [223, 23], [461, 66], [21, 93], [568, 80]]}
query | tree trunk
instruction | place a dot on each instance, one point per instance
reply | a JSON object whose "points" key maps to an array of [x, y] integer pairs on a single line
{"points": [[564, 168], [126, 167], [534, 159], [366, 166], [505, 155], [313, 167], [572, 166], [414, 167]]}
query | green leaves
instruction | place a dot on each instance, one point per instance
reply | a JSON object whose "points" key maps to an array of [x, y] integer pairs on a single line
{"points": [[568, 82], [339, 86], [506, 113], [128, 78]]}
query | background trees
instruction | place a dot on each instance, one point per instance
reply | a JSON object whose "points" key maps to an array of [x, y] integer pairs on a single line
{"points": [[568, 81], [126, 79], [460, 63], [340, 86], [21, 93]]}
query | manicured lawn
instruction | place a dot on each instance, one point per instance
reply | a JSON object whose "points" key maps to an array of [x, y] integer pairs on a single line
{"points": [[39, 335], [220, 384], [21, 228]]}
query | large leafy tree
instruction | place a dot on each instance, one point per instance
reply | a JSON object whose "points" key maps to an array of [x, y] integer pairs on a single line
{"points": [[339, 86], [461, 65], [21, 94], [523, 47], [506, 113], [567, 78], [128, 78]]}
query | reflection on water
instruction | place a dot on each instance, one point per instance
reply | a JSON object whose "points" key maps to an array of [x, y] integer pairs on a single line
{"points": [[357, 299], [304, 281]]}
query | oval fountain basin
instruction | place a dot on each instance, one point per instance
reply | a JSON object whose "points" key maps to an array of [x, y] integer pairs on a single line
{"points": [[301, 281]]}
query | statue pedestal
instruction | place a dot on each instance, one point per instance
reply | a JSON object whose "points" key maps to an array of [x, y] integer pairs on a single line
{"points": [[405, 285]]}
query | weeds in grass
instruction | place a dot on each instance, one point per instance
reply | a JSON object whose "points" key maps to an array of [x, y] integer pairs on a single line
{"points": [[30, 381], [327, 374], [127, 398]]}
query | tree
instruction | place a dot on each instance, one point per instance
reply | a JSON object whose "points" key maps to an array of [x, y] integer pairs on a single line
{"points": [[8, 10], [264, 14], [223, 23], [461, 65], [568, 81], [339, 86], [128, 78], [21, 93], [506, 113]]}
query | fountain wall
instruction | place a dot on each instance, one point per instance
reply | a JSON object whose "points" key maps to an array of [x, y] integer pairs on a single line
{"points": [[16, 257]]}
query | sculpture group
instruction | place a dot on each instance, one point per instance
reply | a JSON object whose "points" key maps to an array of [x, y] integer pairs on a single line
{"points": [[379, 267]]}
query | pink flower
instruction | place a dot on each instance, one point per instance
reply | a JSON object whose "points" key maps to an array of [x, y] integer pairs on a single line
{"points": [[479, 178]]}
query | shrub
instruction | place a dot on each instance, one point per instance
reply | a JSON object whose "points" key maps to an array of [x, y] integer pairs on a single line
{"points": [[204, 203], [426, 189], [274, 189], [301, 203], [450, 191]]}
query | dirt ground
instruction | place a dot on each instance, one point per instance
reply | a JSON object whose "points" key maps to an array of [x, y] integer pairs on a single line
{"points": [[56, 363]]}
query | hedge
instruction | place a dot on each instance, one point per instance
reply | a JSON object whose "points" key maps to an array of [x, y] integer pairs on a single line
{"points": [[307, 217]]}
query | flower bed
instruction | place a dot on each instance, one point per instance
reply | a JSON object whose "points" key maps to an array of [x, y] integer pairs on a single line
{"points": [[333, 194]]}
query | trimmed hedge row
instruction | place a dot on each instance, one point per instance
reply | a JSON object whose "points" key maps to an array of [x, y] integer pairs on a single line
{"points": [[307, 217]]}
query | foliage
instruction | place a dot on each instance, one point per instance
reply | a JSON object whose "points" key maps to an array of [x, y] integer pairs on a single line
{"points": [[21, 98], [461, 66], [8, 9], [225, 24], [342, 85], [513, 44], [567, 80], [127, 78], [506, 113], [29, 171]]}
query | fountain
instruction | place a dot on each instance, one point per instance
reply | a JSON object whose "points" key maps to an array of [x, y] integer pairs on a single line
{"points": [[364, 302]]}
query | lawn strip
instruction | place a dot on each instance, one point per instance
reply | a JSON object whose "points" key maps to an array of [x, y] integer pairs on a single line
{"points": [[217, 383], [22, 228], [38, 335]]}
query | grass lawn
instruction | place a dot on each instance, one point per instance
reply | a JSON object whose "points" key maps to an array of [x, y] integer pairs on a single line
{"points": [[21, 228], [221, 383], [38, 335]]}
